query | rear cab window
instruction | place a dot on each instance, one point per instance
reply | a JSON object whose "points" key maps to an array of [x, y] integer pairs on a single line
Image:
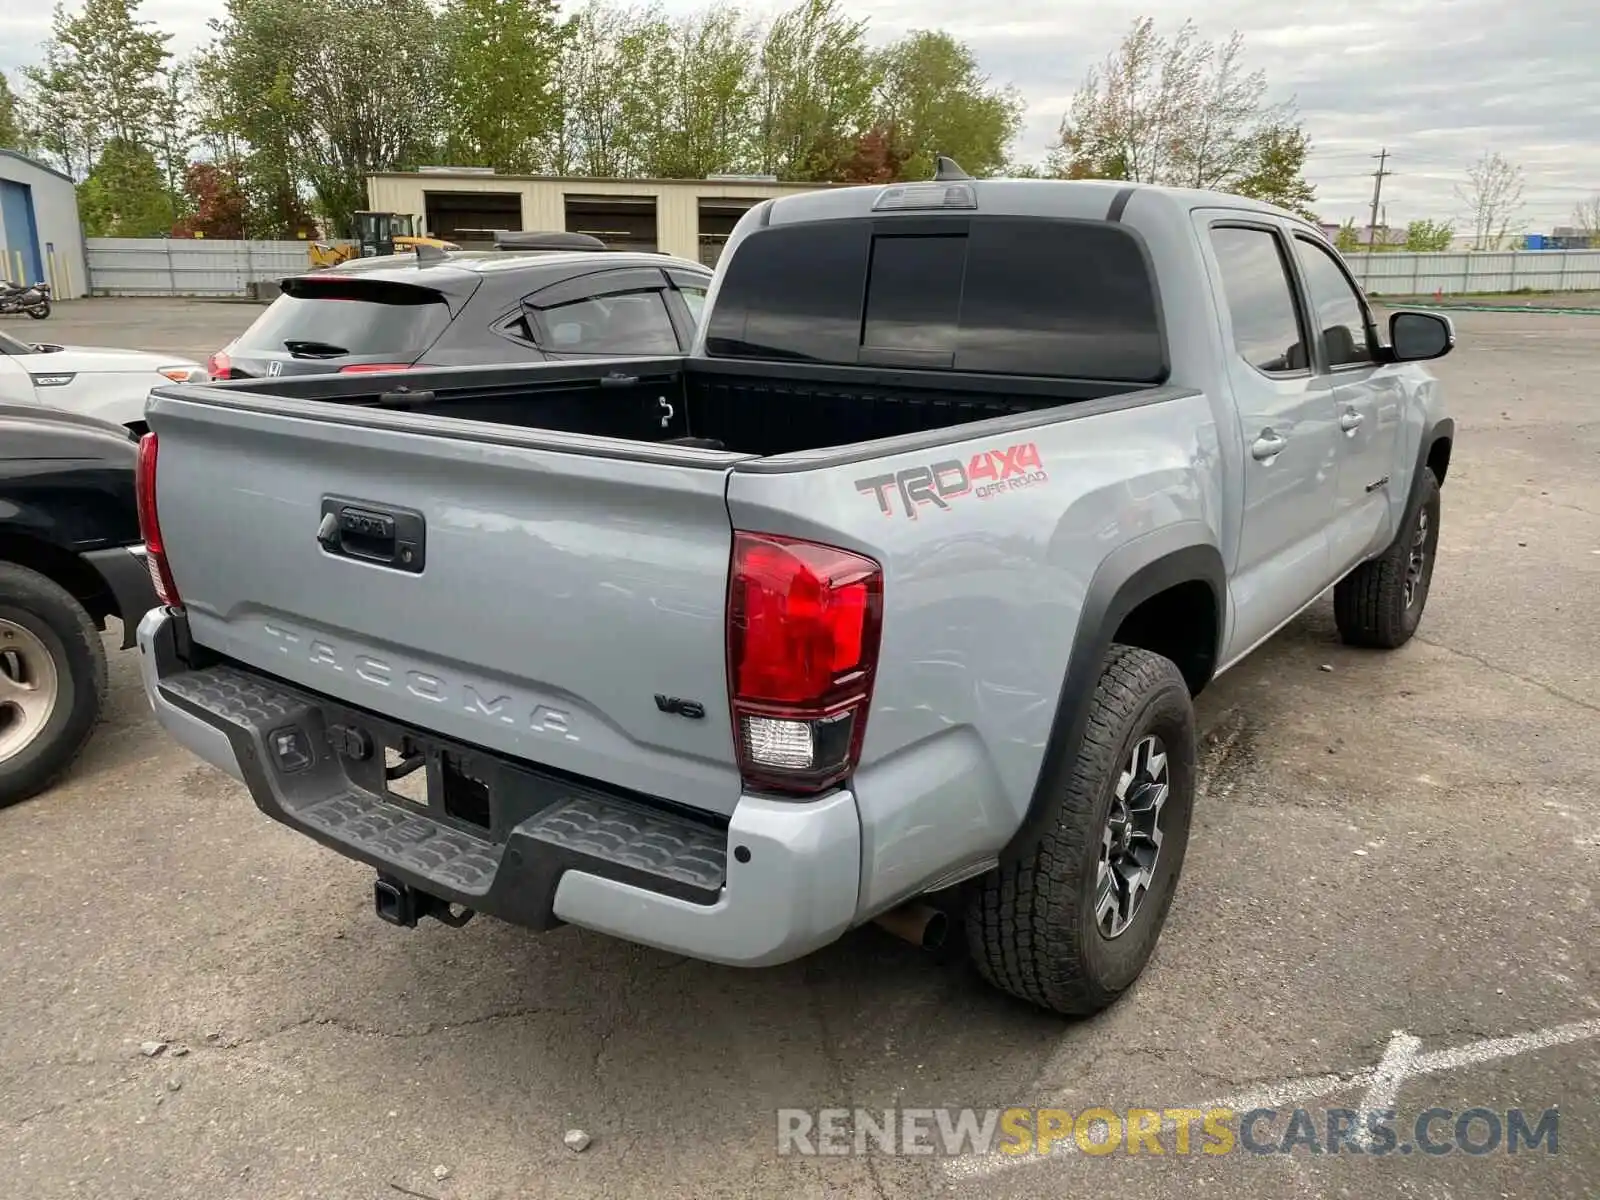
{"points": [[348, 318], [990, 295]]}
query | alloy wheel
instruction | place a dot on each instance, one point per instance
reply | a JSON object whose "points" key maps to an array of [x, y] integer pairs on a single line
{"points": [[1130, 844], [29, 687]]}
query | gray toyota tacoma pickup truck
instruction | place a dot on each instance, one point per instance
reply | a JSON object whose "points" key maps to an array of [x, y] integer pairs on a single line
{"points": [[899, 583]]}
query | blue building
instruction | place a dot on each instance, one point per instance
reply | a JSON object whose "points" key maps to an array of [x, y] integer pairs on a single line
{"points": [[41, 239]]}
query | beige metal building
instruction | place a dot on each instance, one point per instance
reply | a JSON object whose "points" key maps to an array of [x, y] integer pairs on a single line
{"points": [[690, 218]]}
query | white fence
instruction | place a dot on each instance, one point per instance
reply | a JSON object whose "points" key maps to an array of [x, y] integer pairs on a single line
{"points": [[212, 267], [1453, 272], [188, 267]]}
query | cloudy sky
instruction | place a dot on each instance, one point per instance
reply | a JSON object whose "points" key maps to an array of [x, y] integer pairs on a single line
{"points": [[1435, 81]]}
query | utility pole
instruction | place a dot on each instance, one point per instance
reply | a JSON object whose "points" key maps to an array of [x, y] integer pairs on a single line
{"points": [[1377, 195]]}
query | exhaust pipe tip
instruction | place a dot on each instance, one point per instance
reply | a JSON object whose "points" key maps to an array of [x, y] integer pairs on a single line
{"points": [[920, 924]]}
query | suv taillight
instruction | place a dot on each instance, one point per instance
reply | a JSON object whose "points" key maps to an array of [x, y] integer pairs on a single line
{"points": [[803, 628], [150, 524]]}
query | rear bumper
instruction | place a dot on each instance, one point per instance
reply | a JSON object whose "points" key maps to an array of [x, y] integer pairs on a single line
{"points": [[778, 881]]}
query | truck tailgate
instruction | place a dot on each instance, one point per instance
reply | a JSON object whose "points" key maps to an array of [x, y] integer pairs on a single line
{"points": [[565, 608]]}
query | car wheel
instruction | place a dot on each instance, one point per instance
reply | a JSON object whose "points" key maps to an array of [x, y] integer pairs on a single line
{"points": [[1070, 925], [1380, 603], [52, 681]]}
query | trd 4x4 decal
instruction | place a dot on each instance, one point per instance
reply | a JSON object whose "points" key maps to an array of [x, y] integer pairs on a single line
{"points": [[986, 474]]}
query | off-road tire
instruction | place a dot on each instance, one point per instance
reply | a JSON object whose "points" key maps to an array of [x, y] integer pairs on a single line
{"points": [[1031, 928], [1369, 604], [56, 619]]}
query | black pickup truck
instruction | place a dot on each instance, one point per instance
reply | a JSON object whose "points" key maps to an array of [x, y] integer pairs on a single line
{"points": [[70, 557]]}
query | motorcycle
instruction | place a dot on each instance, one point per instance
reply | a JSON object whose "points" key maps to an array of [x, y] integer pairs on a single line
{"points": [[30, 298]]}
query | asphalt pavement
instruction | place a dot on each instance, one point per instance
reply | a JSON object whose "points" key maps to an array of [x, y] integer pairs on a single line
{"points": [[1389, 902]]}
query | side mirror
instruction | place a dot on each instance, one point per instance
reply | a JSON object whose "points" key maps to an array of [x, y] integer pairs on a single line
{"points": [[1419, 336]]}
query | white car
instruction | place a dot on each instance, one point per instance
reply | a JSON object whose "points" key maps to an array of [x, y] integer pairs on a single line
{"points": [[109, 384]]}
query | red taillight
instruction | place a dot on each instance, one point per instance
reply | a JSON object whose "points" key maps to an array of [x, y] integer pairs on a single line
{"points": [[219, 365], [363, 368], [150, 525], [803, 628]]}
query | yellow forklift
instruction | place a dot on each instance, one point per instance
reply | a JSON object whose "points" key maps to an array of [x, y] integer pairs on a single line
{"points": [[377, 234]]}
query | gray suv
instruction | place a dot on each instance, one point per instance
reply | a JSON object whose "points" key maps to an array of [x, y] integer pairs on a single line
{"points": [[398, 312]]}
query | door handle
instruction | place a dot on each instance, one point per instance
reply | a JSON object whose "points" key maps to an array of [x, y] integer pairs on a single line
{"points": [[1268, 446], [1350, 420]]}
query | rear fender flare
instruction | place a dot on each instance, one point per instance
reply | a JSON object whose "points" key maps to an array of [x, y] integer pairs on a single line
{"points": [[1130, 575]]}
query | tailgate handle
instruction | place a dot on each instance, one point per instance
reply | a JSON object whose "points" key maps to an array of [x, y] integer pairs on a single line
{"points": [[372, 533]]}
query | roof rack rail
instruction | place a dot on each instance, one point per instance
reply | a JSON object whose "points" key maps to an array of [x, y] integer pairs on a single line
{"points": [[517, 239]]}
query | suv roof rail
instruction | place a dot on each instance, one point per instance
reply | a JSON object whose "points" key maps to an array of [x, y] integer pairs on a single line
{"points": [[516, 239]]}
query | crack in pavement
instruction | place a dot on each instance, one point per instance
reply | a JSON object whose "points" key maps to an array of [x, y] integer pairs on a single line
{"points": [[810, 974], [63, 1105], [402, 1032], [1551, 689]]}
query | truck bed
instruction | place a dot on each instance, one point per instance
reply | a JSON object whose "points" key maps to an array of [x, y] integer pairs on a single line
{"points": [[776, 409]]}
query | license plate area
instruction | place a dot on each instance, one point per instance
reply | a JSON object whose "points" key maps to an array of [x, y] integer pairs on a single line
{"points": [[438, 778]]}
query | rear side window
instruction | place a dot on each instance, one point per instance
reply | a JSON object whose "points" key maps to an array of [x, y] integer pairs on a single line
{"points": [[330, 322], [1066, 299], [1261, 308], [694, 298], [626, 323]]}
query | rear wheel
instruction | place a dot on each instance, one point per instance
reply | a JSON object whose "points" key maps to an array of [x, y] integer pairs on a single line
{"points": [[1070, 925], [52, 681], [1380, 603]]}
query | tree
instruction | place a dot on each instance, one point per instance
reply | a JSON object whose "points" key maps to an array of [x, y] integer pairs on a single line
{"points": [[125, 196], [1182, 112], [1428, 236], [62, 113], [874, 160], [710, 102], [101, 81], [326, 93], [1586, 216], [1348, 239], [1277, 175], [501, 82], [934, 100], [13, 133], [598, 70], [1492, 195], [266, 164], [817, 81], [173, 132], [217, 202]]}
